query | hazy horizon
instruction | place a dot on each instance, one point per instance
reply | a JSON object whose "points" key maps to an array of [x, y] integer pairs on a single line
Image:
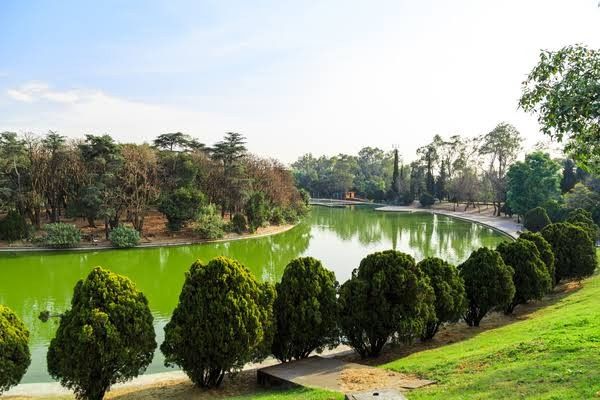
{"points": [[319, 77]]}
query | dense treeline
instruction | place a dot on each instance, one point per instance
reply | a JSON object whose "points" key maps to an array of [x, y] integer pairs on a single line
{"points": [[47, 179], [459, 170], [225, 318]]}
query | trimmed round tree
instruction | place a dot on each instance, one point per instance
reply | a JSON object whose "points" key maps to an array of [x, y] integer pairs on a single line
{"points": [[536, 219], [531, 278], [305, 310], [387, 298], [583, 218], [224, 319], [488, 283], [449, 290], [574, 251], [14, 349], [545, 250], [105, 338]]}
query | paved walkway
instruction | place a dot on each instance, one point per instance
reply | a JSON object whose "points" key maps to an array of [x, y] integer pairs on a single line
{"points": [[504, 225], [336, 375]]}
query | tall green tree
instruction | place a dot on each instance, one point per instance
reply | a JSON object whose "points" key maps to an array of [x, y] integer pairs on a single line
{"points": [[103, 158], [532, 182], [501, 147], [563, 90], [106, 337], [569, 176]]}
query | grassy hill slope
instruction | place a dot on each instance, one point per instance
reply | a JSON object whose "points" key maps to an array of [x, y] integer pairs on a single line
{"points": [[553, 354]]}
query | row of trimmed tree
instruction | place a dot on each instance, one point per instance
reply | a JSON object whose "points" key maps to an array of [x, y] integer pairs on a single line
{"points": [[225, 318]]}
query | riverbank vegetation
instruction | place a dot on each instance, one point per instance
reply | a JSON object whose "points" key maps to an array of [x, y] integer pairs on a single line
{"points": [[225, 318], [99, 185]]}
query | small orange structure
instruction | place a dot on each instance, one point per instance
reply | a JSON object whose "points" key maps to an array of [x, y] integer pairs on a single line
{"points": [[349, 195]]}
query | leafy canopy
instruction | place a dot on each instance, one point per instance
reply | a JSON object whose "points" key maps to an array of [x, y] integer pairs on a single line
{"points": [[223, 320], [14, 349], [105, 338], [573, 250], [449, 291], [388, 297], [531, 278], [488, 283], [305, 310], [563, 90]]}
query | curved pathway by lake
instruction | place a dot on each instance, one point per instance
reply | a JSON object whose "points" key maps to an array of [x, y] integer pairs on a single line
{"points": [[340, 237]]}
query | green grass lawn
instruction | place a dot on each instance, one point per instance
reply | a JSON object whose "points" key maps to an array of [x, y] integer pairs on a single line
{"points": [[553, 355], [300, 393]]}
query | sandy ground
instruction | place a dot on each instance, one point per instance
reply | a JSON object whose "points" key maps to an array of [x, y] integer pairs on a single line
{"points": [[155, 233]]}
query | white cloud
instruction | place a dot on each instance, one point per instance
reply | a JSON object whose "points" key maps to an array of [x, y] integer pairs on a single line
{"points": [[37, 107], [35, 91]]}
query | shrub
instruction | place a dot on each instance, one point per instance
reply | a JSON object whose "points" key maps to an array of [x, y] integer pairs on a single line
{"points": [[545, 250], [291, 216], [13, 227], [305, 310], [210, 224], [256, 211], [224, 319], [536, 219], [124, 236], [60, 235], [574, 252], [426, 199], [14, 349], [388, 297], [181, 206], [488, 283], [106, 337], [556, 211], [449, 290], [583, 218], [531, 278], [277, 216], [238, 223]]}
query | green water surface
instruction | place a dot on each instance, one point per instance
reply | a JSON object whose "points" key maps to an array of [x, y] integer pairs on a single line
{"points": [[340, 237]]}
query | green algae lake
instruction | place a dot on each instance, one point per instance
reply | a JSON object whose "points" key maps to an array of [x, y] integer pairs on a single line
{"points": [[339, 237]]}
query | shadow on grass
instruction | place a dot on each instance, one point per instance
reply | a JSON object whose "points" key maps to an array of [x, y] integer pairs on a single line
{"points": [[458, 332]]}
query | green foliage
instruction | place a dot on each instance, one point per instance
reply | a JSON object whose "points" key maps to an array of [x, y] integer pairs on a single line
{"points": [[532, 182], [124, 236], [14, 349], [181, 206], [545, 250], [238, 223], [256, 211], [388, 297], [583, 218], [531, 278], [562, 89], [210, 224], [105, 338], [305, 310], [573, 250], [60, 235], [223, 320], [536, 219], [13, 227], [526, 358], [426, 199], [556, 211], [277, 216], [449, 290], [488, 283], [582, 196]]}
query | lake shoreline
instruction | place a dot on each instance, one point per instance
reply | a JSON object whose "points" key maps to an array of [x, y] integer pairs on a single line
{"points": [[262, 232]]}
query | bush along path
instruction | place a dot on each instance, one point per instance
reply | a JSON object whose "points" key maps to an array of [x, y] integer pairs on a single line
{"points": [[551, 354]]}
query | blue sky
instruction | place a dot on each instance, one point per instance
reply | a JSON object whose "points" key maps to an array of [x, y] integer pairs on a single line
{"points": [[294, 77]]}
